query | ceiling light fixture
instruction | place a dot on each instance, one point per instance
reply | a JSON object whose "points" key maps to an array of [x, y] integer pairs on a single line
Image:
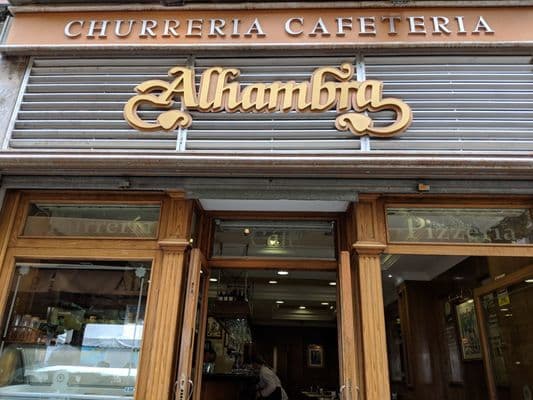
{"points": [[283, 272], [529, 280], [302, 307], [213, 280], [272, 282], [325, 303], [333, 284], [279, 302]]}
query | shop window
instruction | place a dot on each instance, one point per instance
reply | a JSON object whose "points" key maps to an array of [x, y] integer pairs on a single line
{"points": [[92, 220], [274, 239], [435, 332], [460, 225], [508, 323], [73, 329]]}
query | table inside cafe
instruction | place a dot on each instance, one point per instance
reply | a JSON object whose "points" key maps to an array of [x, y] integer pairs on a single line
{"points": [[225, 386]]}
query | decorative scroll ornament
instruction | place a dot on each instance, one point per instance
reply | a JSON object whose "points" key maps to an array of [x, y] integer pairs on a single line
{"points": [[329, 88]]}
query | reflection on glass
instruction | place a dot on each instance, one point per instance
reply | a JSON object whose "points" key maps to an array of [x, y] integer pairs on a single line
{"points": [[73, 329], [460, 225], [100, 220], [508, 323], [274, 239]]}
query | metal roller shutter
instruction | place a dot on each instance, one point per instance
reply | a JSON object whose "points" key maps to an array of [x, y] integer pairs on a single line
{"points": [[459, 103]]}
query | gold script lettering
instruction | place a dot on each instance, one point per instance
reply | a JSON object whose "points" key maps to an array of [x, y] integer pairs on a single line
{"points": [[219, 90]]}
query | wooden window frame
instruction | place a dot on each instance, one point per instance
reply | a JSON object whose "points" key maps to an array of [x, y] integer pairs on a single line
{"points": [[473, 202], [273, 263], [14, 247], [82, 197]]}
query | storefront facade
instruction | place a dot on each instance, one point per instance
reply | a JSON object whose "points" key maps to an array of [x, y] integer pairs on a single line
{"points": [[129, 132]]}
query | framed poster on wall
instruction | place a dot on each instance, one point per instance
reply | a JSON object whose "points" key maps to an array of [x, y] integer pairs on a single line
{"points": [[315, 356], [468, 330], [214, 329]]}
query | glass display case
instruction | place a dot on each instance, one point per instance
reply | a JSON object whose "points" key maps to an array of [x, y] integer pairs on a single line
{"points": [[73, 330]]}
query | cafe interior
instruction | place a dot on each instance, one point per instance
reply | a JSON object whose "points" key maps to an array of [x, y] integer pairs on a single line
{"points": [[288, 318]]}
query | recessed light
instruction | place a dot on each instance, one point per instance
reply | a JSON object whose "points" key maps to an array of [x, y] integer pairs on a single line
{"points": [[272, 282], [283, 272], [390, 275], [509, 315], [504, 309], [246, 231], [302, 307], [325, 303], [279, 302], [333, 284], [213, 280]]}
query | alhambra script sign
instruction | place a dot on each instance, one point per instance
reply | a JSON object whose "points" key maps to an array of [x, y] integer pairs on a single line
{"points": [[328, 88]]}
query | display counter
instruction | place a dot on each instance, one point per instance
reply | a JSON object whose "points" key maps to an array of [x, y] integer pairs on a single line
{"points": [[228, 386]]}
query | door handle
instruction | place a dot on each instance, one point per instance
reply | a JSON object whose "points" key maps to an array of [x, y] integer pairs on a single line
{"points": [[345, 392], [191, 383], [341, 392], [182, 387]]}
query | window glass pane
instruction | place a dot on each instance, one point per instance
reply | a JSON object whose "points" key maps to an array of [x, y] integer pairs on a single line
{"points": [[74, 329], [508, 324], [274, 239], [92, 220], [460, 225], [434, 331]]}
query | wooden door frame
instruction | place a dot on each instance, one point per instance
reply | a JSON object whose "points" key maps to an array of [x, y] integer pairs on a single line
{"points": [[361, 231], [187, 347]]}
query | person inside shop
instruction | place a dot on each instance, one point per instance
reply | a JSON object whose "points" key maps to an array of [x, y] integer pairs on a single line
{"points": [[269, 386]]}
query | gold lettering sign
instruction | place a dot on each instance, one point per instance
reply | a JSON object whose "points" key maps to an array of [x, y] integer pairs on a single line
{"points": [[329, 88]]}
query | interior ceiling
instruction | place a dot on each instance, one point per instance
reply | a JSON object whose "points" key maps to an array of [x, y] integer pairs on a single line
{"points": [[300, 288], [274, 205], [399, 268], [418, 268]]}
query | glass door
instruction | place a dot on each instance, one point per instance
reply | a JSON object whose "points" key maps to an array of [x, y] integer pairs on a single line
{"points": [[504, 309], [189, 379]]}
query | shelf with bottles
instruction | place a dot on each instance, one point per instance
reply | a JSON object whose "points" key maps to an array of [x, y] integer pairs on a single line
{"points": [[231, 294], [231, 286], [25, 329]]}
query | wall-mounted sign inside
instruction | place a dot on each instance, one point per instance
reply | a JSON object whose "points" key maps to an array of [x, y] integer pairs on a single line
{"points": [[328, 88]]}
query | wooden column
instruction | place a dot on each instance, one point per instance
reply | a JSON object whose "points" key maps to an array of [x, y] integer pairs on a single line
{"points": [[370, 243], [7, 222], [350, 343], [156, 375]]}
